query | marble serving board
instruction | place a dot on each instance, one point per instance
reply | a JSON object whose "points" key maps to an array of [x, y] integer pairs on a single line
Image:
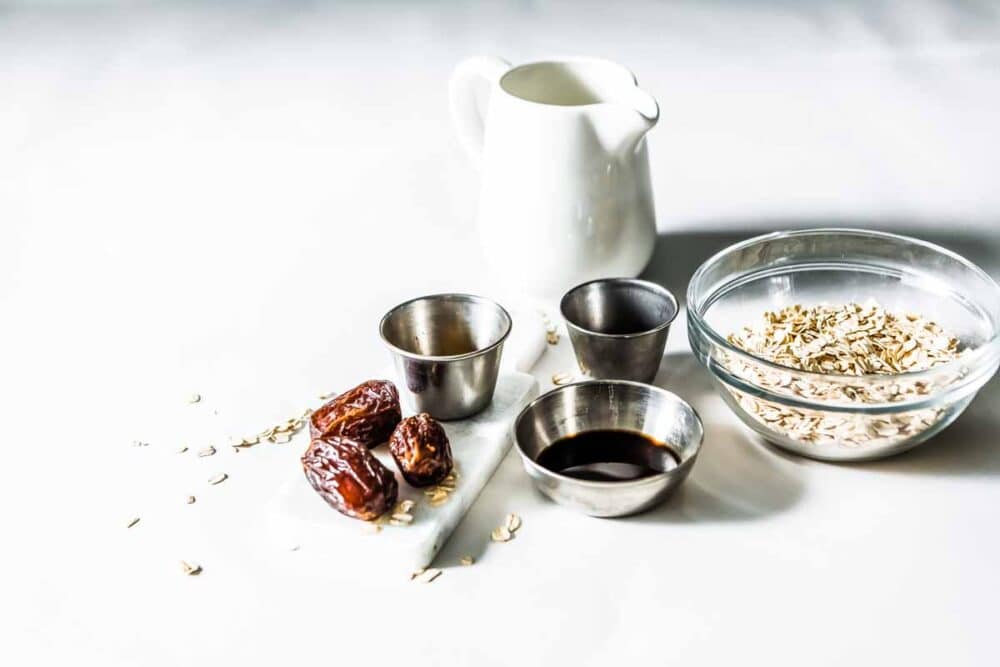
{"points": [[298, 518]]}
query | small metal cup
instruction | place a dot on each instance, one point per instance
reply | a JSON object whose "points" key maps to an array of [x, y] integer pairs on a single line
{"points": [[446, 349], [608, 404], [619, 327]]}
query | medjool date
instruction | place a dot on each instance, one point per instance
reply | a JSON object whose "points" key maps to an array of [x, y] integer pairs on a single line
{"points": [[420, 448], [349, 477], [367, 414]]}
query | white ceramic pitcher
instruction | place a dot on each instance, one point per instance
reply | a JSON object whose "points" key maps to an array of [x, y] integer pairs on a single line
{"points": [[566, 195]]}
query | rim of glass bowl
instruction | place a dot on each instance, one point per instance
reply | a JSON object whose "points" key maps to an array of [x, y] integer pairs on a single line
{"points": [[972, 359]]}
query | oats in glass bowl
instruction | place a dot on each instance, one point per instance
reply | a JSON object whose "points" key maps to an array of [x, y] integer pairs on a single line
{"points": [[848, 339], [870, 343]]}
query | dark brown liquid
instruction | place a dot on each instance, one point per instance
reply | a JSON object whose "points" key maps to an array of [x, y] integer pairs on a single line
{"points": [[609, 455]]}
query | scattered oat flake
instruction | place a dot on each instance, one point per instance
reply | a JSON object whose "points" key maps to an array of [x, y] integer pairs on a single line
{"points": [[280, 433], [193, 398], [500, 534], [190, 568], [552, 337], [132, 521], [182, 449], [426, 576], [372, 528], [405, 506], [218, 479], [190, 500], [467, 560], [294, 547], [561, 378], [139, 443], [208, 451], [512, 522], [247, 442]]}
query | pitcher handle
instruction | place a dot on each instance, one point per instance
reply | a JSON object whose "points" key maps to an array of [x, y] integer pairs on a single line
{"points": [[469, 93]]}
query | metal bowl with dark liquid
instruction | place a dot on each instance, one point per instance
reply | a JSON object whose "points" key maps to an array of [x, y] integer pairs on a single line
{"points": [[608, 448]]}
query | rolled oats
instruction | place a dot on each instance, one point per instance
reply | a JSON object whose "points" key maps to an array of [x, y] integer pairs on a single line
{"points": [[190, 569], [501, 534], [426, 576], [850, 340], [560, 379]]}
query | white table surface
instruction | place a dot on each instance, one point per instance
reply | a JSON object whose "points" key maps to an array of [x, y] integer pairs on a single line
{"points": [[224, 202]]}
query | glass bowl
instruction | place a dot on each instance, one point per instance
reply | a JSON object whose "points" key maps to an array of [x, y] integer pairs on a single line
{"points": [[839, 417]]}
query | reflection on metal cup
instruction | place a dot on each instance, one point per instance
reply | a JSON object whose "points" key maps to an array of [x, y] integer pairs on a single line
{"points": [[619, 326], [446, 349]]}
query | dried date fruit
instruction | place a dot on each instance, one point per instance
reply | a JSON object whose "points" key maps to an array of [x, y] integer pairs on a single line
{"points": [[420, 448], [349, 477], [366, 414]]}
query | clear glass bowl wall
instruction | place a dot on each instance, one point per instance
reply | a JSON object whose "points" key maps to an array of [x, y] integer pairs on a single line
{"points": [[811, 413]]}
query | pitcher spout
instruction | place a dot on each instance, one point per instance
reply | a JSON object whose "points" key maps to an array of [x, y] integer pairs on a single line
{"points": [[645, 105], [623, 123]]}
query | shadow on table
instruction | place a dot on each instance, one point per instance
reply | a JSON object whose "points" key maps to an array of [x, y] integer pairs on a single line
{"points": [[735, 477], [968, 447]]}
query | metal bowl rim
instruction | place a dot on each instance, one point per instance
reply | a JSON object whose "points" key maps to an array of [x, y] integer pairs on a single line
{"points": [[655, 287], [686, 462], [508, 322]]}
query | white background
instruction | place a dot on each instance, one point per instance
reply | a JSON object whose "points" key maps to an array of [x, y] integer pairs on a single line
{"points": [[224, 199]]}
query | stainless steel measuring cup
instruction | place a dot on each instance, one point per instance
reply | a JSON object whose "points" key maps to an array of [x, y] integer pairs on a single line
{"points": [[446, 349], [619, 326]]}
